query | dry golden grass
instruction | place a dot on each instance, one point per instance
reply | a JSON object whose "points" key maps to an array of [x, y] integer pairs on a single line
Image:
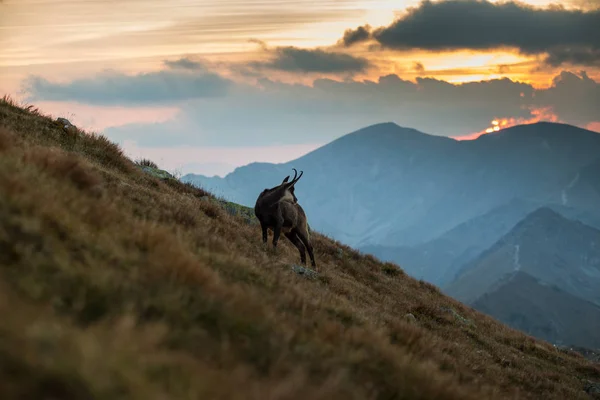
{"points": [[114, 284]]}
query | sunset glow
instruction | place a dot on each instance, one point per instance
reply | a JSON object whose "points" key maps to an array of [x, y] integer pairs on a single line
{"points": [[539, 115]]}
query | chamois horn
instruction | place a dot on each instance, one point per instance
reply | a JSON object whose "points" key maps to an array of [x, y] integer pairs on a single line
{"points": [[296, 177]]}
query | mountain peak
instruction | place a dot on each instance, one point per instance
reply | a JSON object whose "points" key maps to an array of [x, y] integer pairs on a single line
{"points": [[390, 128], [388, 134], [543, 219], [545, 213], [539, 129]]}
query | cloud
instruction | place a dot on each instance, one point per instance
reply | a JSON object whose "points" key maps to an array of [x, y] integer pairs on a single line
{"points": [[580, 56], [586, 4], [278, 113], [574, 98], [214, 111], [419, 67], [352, 36], [111, 88], [563, 35], [185, 63], [294, 59], [281, 113]]}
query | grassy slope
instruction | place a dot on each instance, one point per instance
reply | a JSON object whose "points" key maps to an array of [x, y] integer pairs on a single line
{"points": [[116, 284]]}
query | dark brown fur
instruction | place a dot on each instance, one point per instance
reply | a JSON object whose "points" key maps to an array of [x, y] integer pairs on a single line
{"points": [[277, 209]]}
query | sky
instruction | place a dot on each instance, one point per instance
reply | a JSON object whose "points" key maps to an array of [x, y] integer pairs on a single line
{"points": [[205, 86]]}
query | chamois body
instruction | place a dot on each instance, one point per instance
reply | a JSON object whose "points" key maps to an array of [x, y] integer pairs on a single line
{"points": [[277, 209]]}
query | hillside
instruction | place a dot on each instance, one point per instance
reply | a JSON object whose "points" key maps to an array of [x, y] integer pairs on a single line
{"points": [[117, 282]]}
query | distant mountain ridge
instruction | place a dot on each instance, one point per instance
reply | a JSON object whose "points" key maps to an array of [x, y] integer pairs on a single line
{"points": [[386, 185], [441, 259], [541, 310], [545, 245], [542, 277]]}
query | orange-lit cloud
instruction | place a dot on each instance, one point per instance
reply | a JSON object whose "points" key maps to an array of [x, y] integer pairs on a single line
{"points": [[497, 124], [594, 126]]}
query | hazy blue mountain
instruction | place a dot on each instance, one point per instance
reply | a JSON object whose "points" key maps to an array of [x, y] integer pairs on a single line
{"points": [[541, 310], [439, 261], [545, 245], [357, 186], [542, 277], [389, 186]]}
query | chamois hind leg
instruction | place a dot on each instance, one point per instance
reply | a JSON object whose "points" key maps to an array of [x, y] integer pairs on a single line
{"points": [[264, 229], [303, 236], [277, 233], [298, 243]]}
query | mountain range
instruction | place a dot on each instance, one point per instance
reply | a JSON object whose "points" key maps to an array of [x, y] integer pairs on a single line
{"points": [[390, 186], [438, 206]]}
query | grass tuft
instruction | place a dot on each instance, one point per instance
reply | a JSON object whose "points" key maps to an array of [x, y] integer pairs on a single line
{"points": [[144, 162]]}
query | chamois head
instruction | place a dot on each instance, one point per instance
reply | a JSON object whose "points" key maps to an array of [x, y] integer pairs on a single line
{"points": [[285, 191]]}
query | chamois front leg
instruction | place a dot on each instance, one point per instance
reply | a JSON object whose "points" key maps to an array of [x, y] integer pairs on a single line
{"points": [[303, 235]]}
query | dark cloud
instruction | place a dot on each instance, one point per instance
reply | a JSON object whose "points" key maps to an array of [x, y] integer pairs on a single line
{"points": [[578, 56], [419, 67], [574, 98], [185, 63], [352, 36], [565, 35], [112, 87], [293, 59]]}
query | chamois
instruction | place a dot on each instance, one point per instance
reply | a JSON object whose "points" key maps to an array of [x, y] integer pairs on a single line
{"points": [[277, 209]]}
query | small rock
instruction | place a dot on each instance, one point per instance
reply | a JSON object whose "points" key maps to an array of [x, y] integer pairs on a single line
{"points": [[309, 273], [410, 318], [66, 124], [157, 173]]}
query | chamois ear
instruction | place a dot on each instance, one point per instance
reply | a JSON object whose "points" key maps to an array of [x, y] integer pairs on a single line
{"points": [[285, 180]]}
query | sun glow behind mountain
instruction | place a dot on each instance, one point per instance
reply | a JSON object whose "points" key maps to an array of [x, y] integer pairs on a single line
{"points": [[497, 124]]}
